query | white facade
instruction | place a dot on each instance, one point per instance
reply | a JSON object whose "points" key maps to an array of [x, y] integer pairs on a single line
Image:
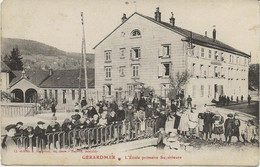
{"points": [[141, 51]]}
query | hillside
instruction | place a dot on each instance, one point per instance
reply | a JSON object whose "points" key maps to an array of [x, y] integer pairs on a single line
{"points": [[37, 55]]}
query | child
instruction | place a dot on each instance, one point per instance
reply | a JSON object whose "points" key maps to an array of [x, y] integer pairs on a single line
{"points": [[200, 125]]}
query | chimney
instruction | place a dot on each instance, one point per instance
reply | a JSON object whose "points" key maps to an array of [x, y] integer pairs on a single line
{"points": [[23, 74], [214, 33], [50, 72], [172, 20], [206, 33], [124, 18], [157, 15]]}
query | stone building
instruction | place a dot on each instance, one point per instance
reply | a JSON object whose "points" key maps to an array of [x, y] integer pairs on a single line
{"points": [[145, 51], [61, 86]]}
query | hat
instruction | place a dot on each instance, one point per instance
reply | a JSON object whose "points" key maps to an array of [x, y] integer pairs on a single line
{"points": [[230, 115], [40, 123], [11, 126], [161, 129], [76, 116], [19, 123]]}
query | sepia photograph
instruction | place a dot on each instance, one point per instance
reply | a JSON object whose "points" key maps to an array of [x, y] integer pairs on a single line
{"points": [[130, 82]]}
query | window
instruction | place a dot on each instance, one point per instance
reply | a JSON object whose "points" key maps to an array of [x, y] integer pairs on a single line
{"points": [[108, 72], [215, 71], [166, 69], [122, 52], [201, 70], [237, 60], [108, 55], [209, 90], [209, 54], [202, 52], [122, 71], [45, 93], [194, 91], [135, 70], [56, 95], [166, 50], [209, 71], [223, 57], [193, 69], [201, 90], [230, 58], [130, 90], [108, 90], [50, 94], [73, 94], [216, 55], [135, 53], [135, 33], [64, 96]]}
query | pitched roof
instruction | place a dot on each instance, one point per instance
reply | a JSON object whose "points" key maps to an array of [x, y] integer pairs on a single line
{"points": [[196, 38], [68, 79], [59, 78], [4, 67], [35, 77]]}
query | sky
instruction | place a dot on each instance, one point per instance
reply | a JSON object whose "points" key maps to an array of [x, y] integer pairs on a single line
{"points": [[58, 23]]}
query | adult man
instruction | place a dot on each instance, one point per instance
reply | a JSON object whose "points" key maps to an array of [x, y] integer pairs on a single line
{"points": [[53, 109], [173, 106], [83, 102], [189, 99], [142, 102], [248, 99], [91, 112], [8, 142], [229, 127], [208, 121], [120, 113], [236, 127]]}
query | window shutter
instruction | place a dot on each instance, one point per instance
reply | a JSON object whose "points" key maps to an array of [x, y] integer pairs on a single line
{"points": [[160, 70], [170, 50], [131, 53], [197, 51], [163, 51], [160, 52], [139, 52]]}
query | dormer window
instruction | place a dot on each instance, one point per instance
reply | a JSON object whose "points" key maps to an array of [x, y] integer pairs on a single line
{"points": [[135, 33]]}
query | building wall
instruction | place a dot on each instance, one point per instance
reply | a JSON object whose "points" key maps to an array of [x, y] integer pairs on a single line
{"points": [[68, 101], [152, 38], [232, 75], [5, 81]]}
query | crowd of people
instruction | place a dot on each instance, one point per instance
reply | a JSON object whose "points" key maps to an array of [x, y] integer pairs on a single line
{"points": [[170, 119], [226, 100]]}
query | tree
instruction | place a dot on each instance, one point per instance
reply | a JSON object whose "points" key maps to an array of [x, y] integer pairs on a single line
{"points": [[253, 78], [14, 61], [177, 82]]}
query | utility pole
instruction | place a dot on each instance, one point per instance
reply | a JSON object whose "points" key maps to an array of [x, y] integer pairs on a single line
{"points": [[84, 55]]}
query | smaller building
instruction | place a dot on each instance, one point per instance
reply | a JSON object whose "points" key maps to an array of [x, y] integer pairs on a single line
{"points": [[60, 86]]}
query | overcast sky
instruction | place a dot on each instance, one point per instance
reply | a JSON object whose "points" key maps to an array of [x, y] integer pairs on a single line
{"points": [[58, 22]]}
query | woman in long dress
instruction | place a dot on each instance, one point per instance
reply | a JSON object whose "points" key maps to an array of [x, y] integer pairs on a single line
{"points": [[193, 122], [218, 129], [184, 123]]}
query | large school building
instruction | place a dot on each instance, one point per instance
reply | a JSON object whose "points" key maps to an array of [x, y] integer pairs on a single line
{"points": [[146, 51]]}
